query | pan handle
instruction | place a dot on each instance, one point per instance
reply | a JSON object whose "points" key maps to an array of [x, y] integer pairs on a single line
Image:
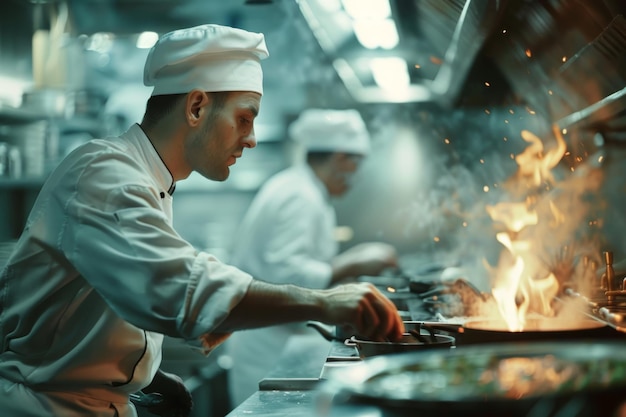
{"points": [[326, 333], [446, 327], [350, 342]]}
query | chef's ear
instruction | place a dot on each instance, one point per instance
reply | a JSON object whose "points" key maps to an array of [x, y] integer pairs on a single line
{"points": [[196, 100]]}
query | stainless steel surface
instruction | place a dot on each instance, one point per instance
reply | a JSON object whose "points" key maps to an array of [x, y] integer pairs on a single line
{"points": [[303, 357], [288, 384], [278, 403], [287, 390]]}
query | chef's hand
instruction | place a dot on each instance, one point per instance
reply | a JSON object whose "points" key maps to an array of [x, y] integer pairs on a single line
{"points": [[369, 258], [367, 310], [177, 401]]}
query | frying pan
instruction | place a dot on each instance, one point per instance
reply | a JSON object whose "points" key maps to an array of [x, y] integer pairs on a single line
{"points": [[475, 331], [408, 343], [415, 340], [525, 379]]}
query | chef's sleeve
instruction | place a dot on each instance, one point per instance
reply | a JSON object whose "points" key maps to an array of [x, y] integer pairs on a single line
{"points": [[126, 248]]}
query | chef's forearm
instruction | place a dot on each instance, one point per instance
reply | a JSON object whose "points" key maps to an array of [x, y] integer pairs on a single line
{"points": [[267, 304], [359, 305]]}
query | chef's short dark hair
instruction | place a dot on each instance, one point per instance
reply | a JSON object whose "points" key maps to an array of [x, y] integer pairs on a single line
{"points": [[317, 157], [160, 106]]}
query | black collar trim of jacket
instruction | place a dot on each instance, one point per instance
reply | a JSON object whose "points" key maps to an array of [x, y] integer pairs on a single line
{"points": [[172, 188]]}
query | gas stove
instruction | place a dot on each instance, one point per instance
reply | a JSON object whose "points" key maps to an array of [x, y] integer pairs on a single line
{"points": [[422, 298], [597, 292], [452, 308], [428, 299]]}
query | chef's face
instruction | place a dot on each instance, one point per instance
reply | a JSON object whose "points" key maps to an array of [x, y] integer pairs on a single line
{"points": [[343, 168], [225, 130]]}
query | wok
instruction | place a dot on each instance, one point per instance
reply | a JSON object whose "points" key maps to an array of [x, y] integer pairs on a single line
{"points": [[476, 331], [538, 379]]}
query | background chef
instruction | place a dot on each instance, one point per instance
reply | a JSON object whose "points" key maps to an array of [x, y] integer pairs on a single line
{"points": [[287, 234]]}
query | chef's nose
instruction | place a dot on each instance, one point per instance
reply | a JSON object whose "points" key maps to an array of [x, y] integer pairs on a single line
{"points": [[250, 140]]}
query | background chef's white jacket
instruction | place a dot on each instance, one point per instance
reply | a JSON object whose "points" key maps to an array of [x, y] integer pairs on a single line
{"points": [[96, 279], [287, 236]]}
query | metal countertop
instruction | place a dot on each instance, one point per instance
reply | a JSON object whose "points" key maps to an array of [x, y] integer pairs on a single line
{"points": [[301, 364]]}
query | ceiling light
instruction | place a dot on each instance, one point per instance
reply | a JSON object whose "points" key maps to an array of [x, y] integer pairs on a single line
{"points": [[367, 9], [368, 93], [374, 34], [390, 73]]}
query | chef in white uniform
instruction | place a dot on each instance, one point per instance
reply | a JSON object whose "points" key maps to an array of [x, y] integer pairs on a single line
{"points": [[288, 234], [99, 275]]}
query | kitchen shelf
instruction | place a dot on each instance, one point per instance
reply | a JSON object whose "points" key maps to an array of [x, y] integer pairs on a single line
{"points": [[75, 123], [19, 115], [21, 183]]}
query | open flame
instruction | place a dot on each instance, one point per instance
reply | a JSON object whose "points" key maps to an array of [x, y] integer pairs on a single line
{"points": [[521, 285]]}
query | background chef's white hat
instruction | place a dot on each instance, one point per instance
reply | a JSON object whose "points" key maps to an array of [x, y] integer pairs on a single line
{"points": [[207, 57], [331, 131]]}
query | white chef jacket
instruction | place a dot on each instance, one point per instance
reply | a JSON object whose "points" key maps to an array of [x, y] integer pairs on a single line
{"points": [[287, 236], [96, 279]]}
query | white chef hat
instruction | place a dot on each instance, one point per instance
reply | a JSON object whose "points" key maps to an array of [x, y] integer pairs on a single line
{"points": [[331, 131], [208, 57]]}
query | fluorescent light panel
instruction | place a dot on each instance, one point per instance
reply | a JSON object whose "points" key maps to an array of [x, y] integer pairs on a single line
{"points": [[367, 9], [390, 73]]}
